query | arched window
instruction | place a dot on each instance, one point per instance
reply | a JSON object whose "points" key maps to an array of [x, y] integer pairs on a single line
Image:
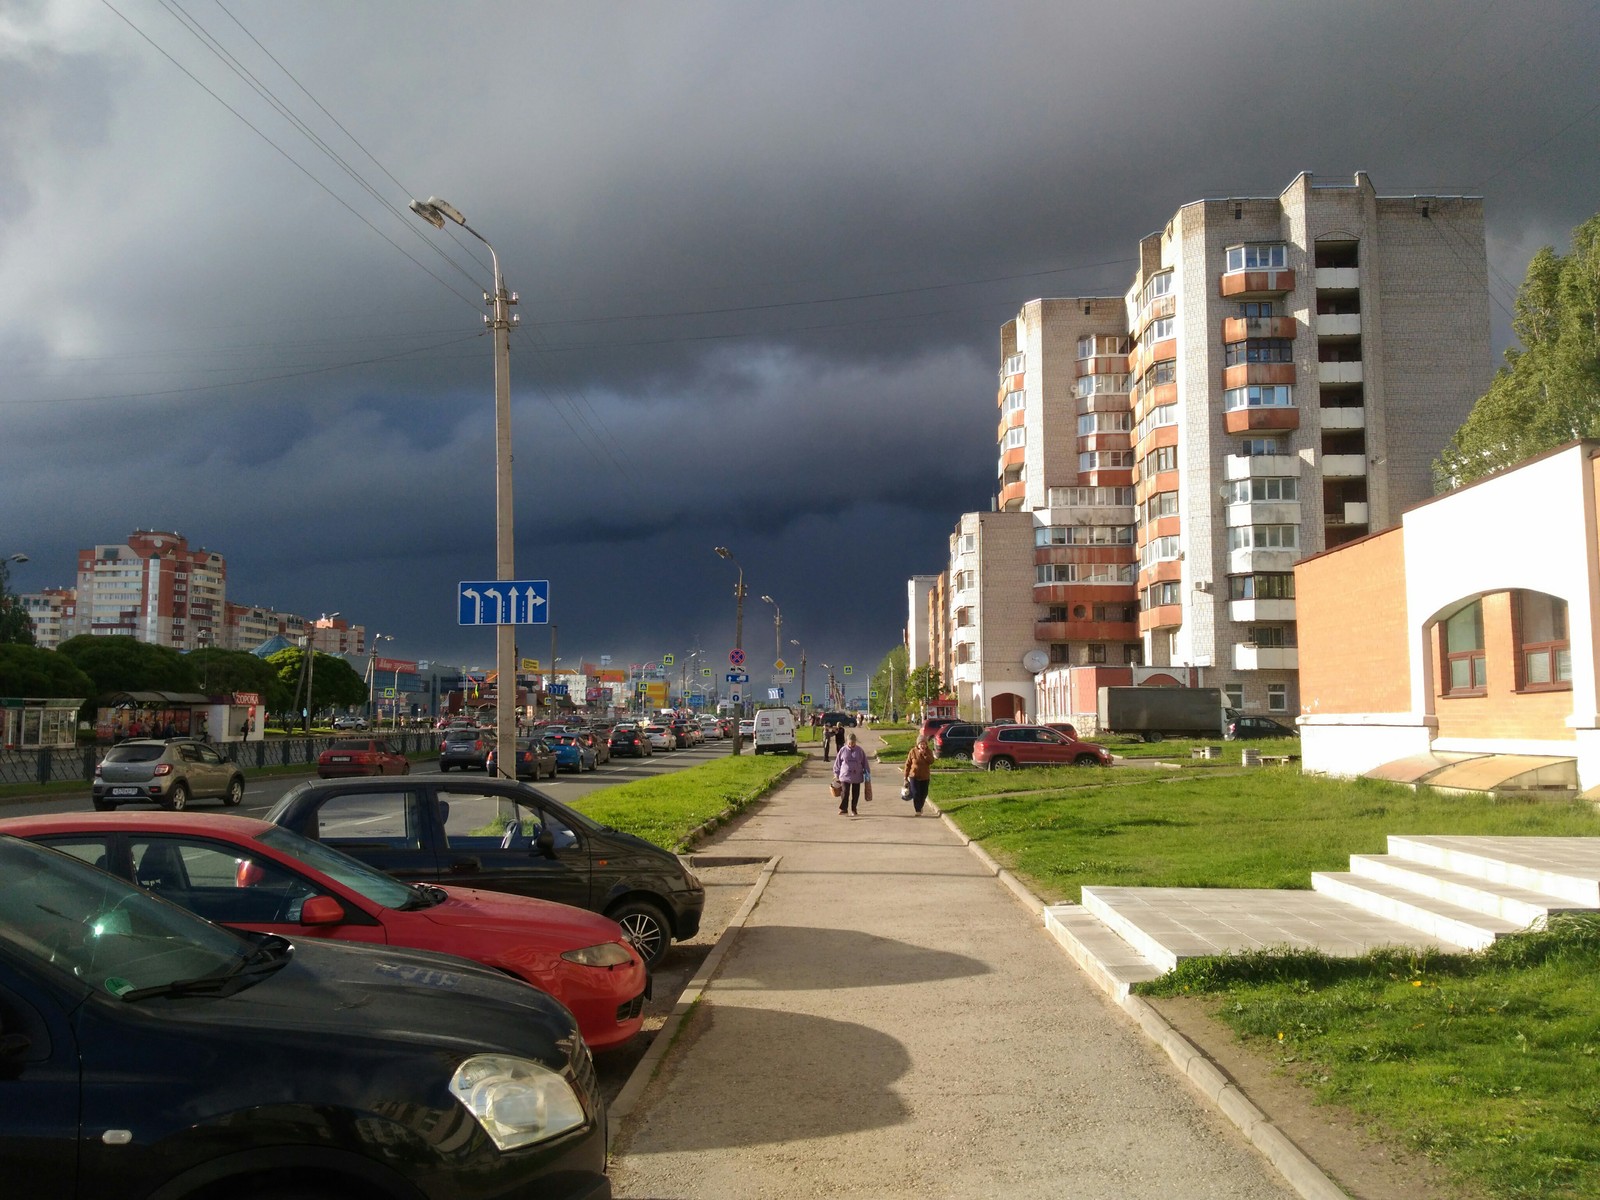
{"points": [[1544, 658], [1461, 648]]}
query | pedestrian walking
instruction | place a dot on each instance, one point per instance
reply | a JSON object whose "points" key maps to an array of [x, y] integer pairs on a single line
{"points": [[919, 773], [850, 771]]}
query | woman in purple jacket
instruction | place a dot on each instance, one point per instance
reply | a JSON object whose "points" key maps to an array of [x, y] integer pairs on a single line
{"points": [[850, 769]]}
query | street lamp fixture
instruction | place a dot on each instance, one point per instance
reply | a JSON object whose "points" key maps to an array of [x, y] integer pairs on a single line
{"points": [[738, 635], [372, 676], [436, 212], [793, 642], [310, 671], [777, 629]]}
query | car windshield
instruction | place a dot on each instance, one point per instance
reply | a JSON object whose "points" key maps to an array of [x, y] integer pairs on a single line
{"points": [[102, 931], [355, 875], [147, 752]]}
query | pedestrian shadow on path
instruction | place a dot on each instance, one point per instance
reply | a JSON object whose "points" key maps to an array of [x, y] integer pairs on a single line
{"points": [[800, 958]]}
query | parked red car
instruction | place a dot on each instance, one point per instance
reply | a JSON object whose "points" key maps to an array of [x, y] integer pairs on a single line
{"points": [[1005, 747], [933, 724], [252, 875], [361, 756]]}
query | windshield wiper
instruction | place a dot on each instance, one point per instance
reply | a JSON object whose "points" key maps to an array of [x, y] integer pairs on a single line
{"points": [[424, 895], [268, 956]]}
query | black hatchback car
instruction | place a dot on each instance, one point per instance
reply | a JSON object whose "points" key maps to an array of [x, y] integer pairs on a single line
{"points": [[502, 837], [147, 1052], [956, 739]]}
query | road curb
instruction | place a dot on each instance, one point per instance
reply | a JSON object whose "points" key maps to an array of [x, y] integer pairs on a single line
{"points": [[628, 1098], [1291, 1162]]}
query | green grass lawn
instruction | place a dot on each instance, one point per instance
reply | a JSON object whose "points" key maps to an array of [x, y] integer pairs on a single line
{"points": [[664, 810]]}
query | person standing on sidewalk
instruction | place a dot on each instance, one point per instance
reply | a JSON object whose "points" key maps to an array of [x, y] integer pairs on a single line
{"points": [[850, 770], [919, 772]]}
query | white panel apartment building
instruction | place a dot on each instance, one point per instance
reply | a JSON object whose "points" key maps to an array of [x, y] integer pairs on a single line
{"points": [[1288, 367]]}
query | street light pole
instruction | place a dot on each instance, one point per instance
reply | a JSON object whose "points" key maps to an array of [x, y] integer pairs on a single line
{"points": [[793, 642], [738, 636], [372, 677], [777, 630], [435, 211]]}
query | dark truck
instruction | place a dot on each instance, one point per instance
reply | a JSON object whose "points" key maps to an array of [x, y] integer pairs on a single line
{"points": [[1153, 713]]}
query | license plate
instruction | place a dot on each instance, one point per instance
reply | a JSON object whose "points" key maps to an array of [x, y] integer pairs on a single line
{"points": [[125, 791], [340, 758]]}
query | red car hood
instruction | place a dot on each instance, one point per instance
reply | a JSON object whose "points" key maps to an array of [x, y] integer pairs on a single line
{"points": [[573, 928]]}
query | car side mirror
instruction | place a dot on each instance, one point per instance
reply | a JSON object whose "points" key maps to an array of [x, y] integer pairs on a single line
{"points": [[321, 910]]}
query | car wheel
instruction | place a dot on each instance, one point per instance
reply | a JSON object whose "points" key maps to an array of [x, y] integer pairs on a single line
{"points": [[646, 927], [235, 796], [1155, 735], [104, 806], [178, 797], [444, 768], [405, 768], [1002, 764], [1086, 760]]}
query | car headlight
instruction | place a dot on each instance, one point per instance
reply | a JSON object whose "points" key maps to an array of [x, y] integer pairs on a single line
{"points": [[607, 954], [517, 1101]]}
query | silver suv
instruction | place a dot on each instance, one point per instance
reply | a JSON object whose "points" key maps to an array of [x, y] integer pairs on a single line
{"points": [[166, 773]]}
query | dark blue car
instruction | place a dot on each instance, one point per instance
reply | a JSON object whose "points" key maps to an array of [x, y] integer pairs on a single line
{"points": [[571, 753]]}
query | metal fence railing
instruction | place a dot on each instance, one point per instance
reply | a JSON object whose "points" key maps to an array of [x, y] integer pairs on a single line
{"points": [[76, 764]]}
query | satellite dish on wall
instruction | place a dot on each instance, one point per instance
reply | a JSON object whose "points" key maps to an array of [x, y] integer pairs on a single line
{"points": [[1035, 661]]}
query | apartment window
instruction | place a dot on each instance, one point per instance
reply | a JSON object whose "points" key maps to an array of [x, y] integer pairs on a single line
{"points": [[1272, 637], [1083, 573], [1258, 256], [1257, 308], [1254, 447], [1164, 458], [969, 542], [1096, 653], [964, 616], [1104, 422], [1116, 612], [1233, 695], [1258, 350], [1161, 549], [1012, 365], [1104, 460], [1096, 385], [1266, 487], [1165, 371], [1267, 586], [1275, 395], [1013, 402], [1545, 660], [965, 580], [1090, 497], [1056, 612], [1264, 537], [1158, 286], [963, 652], [1060, 652], [1277, 697], [1133, 655], [1162, 504], [1461, 646], [1166, 592], [1162, 329], [1156, 418], [1015, 437]]}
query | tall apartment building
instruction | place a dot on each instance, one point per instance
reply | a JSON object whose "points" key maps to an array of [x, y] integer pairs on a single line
{"points": [[1277, 380], [53, 612], [154, 588]]}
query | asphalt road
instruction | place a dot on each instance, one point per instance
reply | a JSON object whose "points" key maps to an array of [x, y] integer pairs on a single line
{"points": [[263, 791]]}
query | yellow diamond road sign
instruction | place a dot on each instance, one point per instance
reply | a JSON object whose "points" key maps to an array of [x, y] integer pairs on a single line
{"points": [[778, 665]]}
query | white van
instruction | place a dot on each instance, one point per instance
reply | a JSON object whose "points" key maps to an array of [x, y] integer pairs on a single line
{"points": [[775, 731]]}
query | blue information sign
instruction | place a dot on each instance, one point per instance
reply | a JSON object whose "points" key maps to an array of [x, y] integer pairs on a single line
{"points": [[509, 602]]}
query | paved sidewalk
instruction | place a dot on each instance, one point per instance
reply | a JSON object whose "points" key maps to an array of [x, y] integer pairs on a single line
{"points": [[890, 1022]]}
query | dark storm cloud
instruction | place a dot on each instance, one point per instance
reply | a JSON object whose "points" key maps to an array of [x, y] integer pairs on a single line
{"points": [[763, 253]]}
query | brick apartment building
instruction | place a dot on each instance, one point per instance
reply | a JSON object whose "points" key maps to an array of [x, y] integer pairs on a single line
{"points": [[1277, 380]]}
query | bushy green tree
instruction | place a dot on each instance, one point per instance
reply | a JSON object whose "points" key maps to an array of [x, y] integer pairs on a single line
{"points": [[42, 674], [923, 685], [334, 682], [1548, 392], [889, 681], [125, 664], [223, 672], [16, 626]]}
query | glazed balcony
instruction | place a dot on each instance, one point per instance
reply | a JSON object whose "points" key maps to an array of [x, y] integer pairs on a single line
{"points": [[1238, 329], [1247, 656], [1255, 285], [1251, 612], [1162, 616], [1102, 364]]}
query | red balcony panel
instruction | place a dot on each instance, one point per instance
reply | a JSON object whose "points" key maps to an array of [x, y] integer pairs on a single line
{"points": [[1161, 395], [1104, 364], [1071, 595], [1242, 373], [1162, 306], [1083, 554], [1162, 616], [1243, 420], [1161, 435], [1237, 329], [1161, 572], [1012, 457], [1164, 526], [1085, 631], [1244, 284], [1107, 478], [1011, 495], [1106, 441]]}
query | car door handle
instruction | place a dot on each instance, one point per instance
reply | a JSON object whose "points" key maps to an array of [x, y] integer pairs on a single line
{"points": [[463, 865]]}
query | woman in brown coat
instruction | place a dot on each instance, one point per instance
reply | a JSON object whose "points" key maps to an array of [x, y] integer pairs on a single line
{"points": [[919, 770]]}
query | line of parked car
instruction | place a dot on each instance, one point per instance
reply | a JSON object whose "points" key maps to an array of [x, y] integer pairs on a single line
{"points": [[414, 970]]}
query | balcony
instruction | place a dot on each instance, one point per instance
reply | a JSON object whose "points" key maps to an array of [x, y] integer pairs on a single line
{"points": [[1338, 279], [1257, 466], [1085, 631], [1241, 374], [1255, 611], [1350, 513], [1343, 418], [1344, 466], [1262, 512], [1162, 616], [1237, 329], [1011, 496], [1247, 656], [1338, 324], [1247, 285], [1339, 372], [1244, 420], [1103, 364], [1255, 562]]}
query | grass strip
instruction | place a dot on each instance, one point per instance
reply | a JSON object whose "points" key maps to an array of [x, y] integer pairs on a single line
{"points": [[667, 809], [1489, 1063]]}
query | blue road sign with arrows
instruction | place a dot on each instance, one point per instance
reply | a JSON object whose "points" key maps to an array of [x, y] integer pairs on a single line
{"points": [[504, 602]]}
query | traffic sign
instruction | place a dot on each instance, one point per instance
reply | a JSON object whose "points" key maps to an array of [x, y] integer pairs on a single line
{"points": [[736, 657], [775, 693], [734, 696], [847, 670], [558, 689], [666, 660], [530, 664], [778, 666], [737, 677], [789, 672], [388, 693], [508, 602], [873, 693], [706, 671], [806, 699]]}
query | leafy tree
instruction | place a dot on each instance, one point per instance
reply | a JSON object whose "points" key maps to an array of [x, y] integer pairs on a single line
{"points": [[1548, 393], [43, 674], [334, 682], [16, 626], [225, 671], [125, 664], [923, 685], [889, 681]]}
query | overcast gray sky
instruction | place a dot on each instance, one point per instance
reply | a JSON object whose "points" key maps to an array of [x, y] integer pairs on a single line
{"points": [[763, 251]]}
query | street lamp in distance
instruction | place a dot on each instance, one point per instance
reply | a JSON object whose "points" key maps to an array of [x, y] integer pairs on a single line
{"points": [[738, 636]]}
